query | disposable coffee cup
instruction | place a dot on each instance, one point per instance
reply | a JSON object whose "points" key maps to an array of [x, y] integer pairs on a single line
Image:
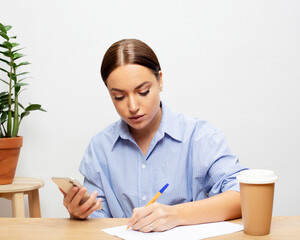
{"points": [[257, 194]]}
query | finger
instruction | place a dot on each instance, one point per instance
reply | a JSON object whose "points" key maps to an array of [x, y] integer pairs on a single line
{"points": [[70, 195], [92, 209], [89, 203], [148, 228], [77, 198], [142, 217], [136, 215], [157, 224], [144, 223]]}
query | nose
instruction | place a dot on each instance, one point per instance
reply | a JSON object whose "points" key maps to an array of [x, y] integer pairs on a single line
{"points": [[133, 105]]}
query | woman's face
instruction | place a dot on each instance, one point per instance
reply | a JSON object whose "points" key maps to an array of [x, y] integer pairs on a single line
{"points": [[134, 90]]}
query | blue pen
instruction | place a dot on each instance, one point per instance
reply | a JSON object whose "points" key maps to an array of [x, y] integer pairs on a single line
{"points": [[157, 194]]}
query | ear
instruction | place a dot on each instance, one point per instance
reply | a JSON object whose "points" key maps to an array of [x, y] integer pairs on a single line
{"points": [[160, 81]]}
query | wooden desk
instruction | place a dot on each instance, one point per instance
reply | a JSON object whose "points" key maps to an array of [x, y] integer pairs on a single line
{"points": [[16, 191], [283, 228]]}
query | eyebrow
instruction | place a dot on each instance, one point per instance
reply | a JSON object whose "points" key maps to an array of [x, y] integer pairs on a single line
{"points": [[139, 86]]}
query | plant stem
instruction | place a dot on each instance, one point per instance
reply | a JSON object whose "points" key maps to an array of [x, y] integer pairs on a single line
{"points": [[16, 110], [9, 96]]}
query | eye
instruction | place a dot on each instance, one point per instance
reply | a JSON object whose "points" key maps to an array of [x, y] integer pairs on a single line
{"points": [[118, 98], [144, 93]]}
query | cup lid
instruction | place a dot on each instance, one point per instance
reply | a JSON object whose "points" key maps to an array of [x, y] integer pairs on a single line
{"points": [[257, 176]]}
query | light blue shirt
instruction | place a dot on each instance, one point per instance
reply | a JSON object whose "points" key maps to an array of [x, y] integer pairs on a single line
{"points": [[189, 154]]}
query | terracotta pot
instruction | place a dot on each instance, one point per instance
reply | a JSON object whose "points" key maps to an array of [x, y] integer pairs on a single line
{"points": [[9, 155]]}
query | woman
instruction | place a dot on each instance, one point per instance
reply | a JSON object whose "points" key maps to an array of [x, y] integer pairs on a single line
{"points": [[128, 162]]}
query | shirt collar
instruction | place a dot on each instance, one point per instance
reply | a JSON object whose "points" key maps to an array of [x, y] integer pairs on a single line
{"points": [[121, 131], [169, 124]]}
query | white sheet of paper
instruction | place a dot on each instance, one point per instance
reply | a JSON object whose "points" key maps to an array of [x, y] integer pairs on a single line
{"points": [[191, 232]]}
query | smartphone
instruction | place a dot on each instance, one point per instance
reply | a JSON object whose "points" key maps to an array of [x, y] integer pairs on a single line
{"points": [[66, 183]]}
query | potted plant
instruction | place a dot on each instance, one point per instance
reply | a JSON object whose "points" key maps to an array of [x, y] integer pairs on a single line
{"points": [[12, 111]]}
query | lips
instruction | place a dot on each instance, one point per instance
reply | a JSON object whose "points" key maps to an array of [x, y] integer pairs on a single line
{"points": [[136, 117]]}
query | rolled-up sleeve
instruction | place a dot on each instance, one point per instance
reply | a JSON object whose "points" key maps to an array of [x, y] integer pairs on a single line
{"points": [[220, 166], [91, 170], [103, 213]]}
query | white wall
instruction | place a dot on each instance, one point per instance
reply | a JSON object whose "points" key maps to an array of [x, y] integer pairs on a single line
{"points": [[234, 63]]}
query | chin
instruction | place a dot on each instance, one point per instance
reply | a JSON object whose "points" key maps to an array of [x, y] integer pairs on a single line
{"points": [[138, 126]]}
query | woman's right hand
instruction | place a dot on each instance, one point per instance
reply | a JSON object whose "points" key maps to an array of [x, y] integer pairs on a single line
{"points": [[73, 198]]}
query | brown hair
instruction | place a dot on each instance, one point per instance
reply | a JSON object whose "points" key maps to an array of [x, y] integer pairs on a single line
{"points": [[129, 51]]}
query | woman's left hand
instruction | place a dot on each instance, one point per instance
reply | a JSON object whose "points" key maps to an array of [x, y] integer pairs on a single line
{"points": [[155, 217]]}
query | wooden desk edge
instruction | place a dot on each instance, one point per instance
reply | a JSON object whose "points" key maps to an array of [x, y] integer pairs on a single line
{"points": [[283, 227]]}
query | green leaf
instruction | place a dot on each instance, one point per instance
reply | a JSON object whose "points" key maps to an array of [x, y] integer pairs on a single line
{"points": [[3, 60], [4, 103], [21, 105], [17, 56], [17, 90], [6, 54], [22, 73], [13, 76], [4, 99], [23, 63], [7, 44], [23, 79], [19, 85], [33, 107], [3, 46], [15, 44], [14, 37], [2, 28], [2, 34], [17, 50], [3, 118], [3, 108], [7, 28], [4, 81], [3, 94], [4, 70], [24, 114]]}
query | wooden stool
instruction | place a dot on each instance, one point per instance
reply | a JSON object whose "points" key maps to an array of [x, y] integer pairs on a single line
{"points": [[15, 192]]}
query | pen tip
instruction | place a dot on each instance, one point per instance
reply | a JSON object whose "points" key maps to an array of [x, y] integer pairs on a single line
{"points": [[164, 188]]}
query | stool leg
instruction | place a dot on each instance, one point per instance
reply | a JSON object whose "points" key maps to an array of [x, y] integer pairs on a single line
{"points": [[34, 203], [18, 209]]}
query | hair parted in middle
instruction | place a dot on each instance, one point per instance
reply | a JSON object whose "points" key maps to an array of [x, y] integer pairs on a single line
{"points": [[129, 51]]}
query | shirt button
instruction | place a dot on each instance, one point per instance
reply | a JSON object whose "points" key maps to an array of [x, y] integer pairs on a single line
{"points": [[144, 198], [143, 166]]}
